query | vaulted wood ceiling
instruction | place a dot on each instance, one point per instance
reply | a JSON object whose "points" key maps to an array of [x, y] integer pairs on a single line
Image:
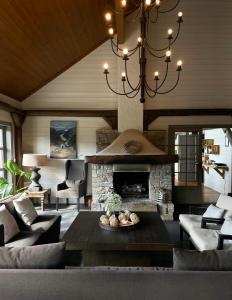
{"points": [[39, 39]]}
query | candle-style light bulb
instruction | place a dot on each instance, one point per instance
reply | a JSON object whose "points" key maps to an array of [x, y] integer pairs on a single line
{"points": [[106, 66], [157, 3], [108, 16], [148, 2], [125, 51], [156, 75], [179, 65], [111, 31], [123, 3], [170, 32], [180, 17], [139, 40], [168, 53]]}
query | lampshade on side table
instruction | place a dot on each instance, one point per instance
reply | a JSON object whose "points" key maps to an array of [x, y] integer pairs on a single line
{"points": [[34, 161]]}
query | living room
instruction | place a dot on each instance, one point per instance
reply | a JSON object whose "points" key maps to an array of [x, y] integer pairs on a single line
{"points": [[168, 157]]}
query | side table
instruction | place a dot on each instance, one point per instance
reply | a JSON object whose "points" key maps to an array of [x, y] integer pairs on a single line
{"points": [[42, 195]]}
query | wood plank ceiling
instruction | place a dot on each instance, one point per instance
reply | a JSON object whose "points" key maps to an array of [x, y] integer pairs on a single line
{"points": [[41, 39]]}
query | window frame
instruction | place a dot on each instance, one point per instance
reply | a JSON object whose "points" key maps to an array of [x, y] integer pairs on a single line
{"points": [[5, 126]]}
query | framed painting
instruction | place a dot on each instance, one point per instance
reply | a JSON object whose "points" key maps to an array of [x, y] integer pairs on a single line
{"points": [[63, 139]]}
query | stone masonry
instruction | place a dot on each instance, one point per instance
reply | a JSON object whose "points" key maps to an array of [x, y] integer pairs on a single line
{"points": [[160, 178]]}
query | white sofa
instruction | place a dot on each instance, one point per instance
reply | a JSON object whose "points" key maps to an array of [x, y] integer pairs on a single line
{"points": [[206, 238]]}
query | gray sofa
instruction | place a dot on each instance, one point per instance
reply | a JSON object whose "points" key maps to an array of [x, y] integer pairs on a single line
{"points": [[114, 284], [45, 229]]}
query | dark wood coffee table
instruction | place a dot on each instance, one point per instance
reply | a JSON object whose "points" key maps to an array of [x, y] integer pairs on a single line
{"points": [[96, 246]]}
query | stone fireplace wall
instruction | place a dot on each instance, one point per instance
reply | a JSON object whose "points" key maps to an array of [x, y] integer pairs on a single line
{"points": [[102, 183]]}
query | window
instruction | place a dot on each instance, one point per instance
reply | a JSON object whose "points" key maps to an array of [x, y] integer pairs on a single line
{"points": [[5, 147], [188, 148]]}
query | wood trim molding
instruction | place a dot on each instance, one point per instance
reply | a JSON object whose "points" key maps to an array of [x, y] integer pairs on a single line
{"points": [[110, 116], [153, 114], [7, 107]]}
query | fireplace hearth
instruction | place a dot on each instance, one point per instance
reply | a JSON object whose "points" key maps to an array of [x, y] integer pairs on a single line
{"points": [[131, 184]]}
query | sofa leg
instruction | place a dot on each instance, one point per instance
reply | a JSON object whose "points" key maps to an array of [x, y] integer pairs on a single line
{"points": [[57, 203], [67, 201]]}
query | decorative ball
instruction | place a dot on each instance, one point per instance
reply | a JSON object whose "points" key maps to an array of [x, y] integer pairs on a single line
{"points": [[134, 218], [112, 218], [124, 221], [127, 213], [103, 217], [105, 221], [122, 216], [114, 222]]}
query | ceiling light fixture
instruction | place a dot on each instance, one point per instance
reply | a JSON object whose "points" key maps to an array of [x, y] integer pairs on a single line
{"points": [[149, 11]]}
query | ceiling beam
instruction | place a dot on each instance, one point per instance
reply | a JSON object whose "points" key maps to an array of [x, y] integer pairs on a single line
{"points": [[7, 107], [110, 116], [153, 114]]}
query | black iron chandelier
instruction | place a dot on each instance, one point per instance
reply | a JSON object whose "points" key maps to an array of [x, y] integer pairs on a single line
{"points": [[149, 11]]}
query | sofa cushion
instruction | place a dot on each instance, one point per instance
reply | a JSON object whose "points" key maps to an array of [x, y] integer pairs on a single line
{"points": [[10, 226], [214, 260], [72, 184], [224, 202], [190, 221], [25, 238], [25, 210], [8, 201], [214, 212], [44, 222], [227, 227], [49, 256]]}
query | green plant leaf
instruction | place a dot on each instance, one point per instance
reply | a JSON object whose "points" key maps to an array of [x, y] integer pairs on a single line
{"points": [[27, 175], [3, 181], [6, 190], [12, 167]]}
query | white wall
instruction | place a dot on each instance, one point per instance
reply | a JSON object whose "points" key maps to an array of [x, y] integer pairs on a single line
{"points": [[5, 116], [205, 47], [82, 86], [36, 139], [214, 180]]}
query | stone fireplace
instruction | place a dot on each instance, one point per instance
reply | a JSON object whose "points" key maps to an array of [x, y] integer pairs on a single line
{"points": [[137, 177]]}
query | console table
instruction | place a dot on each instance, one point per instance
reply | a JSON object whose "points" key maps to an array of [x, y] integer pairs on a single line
{"points": [[41, 195]]}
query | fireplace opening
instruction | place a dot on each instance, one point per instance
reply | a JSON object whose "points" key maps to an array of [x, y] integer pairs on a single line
{"points": [[131, 184]]}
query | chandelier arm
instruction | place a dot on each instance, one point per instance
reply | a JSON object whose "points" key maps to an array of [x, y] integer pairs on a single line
{"points": [[164, 79], [170, 9], [136, 6], [171, 89], [118, 55], [117, 93], [153, 54], [150, 95], [127, 93], [133, 51], [169, 44], [115, 45], [127, 77]]}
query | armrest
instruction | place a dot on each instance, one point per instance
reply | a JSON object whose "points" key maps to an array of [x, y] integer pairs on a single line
{"points": [[205, 220], [221, 239], [62, 186], [1, 235]]}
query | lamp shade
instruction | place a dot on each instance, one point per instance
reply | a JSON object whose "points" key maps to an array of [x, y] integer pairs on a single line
{"points": [[34, 160]]}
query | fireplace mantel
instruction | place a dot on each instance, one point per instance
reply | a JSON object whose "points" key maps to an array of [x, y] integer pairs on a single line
{"points": [[143, 159]]}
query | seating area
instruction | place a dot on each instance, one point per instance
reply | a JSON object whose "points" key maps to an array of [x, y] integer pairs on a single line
{"points": [[115, 150], [212, 230]]}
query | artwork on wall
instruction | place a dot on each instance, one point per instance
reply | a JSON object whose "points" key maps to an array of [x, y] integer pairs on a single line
{"points": [[63, 139]]}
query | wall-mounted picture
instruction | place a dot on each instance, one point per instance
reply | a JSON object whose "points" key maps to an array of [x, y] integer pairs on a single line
{"points": [[63, 139]]}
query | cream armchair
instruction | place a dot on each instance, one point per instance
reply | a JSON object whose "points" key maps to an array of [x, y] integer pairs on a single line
{"points": [[75, 184]]}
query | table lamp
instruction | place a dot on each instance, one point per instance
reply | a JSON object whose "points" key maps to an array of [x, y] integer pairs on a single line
{"points": [[34, 161]]}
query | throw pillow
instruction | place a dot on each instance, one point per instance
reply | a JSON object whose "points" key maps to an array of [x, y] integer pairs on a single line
{"points": [[10, 226], [25, 210], [214, 212], [48, 256], [210, 260], [227, 227]]}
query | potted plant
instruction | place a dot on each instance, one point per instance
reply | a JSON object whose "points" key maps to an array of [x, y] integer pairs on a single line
{"points": [[113, 202], [7, 188]]}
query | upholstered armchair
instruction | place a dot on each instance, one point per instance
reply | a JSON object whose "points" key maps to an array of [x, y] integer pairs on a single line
{"points": [[75, 184]]}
